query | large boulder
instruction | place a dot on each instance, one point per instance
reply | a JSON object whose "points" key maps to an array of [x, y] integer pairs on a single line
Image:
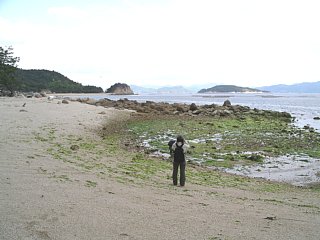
{"points": [[227, 103], [193, 107]]}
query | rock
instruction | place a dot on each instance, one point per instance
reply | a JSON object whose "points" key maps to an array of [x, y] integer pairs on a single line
{"points": [[193, 107], [225, 113], [211, 106], [65, 101], [120, 89], [37, 95], [91, 101], [255, 157], [221, 113], [316, 118], [285, 114], [50, 98], [162, 108], [196, 112], [74, 147], [180, 109], [43, 94], [227, 103]]}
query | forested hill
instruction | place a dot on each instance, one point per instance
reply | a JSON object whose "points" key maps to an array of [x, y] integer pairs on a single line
{"points": [[228, 88], [38, 80]]}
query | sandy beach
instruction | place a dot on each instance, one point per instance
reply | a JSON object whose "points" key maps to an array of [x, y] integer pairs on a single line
{"points": [[42, 197]]}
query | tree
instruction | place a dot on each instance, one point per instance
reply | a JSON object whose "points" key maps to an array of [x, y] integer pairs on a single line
{"points": [[8, 65]]}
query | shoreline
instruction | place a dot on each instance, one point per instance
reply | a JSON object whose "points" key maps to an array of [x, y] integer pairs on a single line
{"points": [[302, 172], [49, 191], [305, 115]]}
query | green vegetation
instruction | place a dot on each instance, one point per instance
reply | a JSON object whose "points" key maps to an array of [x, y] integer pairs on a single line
{"points": [[15, 79], [228, 88], [91, 183], [62, 178], [221, 142], [225, 142], [144, 168], [8, 64], [38, 80]]}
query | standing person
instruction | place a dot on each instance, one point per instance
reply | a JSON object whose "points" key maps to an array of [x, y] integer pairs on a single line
{"points": [[179, 160]]}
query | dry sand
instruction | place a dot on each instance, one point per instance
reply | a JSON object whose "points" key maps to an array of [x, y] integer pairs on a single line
{"points": [[36, 204]]}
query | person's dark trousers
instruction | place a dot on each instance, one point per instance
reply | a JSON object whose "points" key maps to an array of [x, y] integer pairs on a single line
{"points": [[182, 173]]}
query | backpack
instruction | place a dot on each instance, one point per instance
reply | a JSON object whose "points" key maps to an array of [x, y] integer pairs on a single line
{"points": [[179, 156], [170, 143]]}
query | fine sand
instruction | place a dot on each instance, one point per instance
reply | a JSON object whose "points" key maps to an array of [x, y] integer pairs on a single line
{"points": [[44, 198]]}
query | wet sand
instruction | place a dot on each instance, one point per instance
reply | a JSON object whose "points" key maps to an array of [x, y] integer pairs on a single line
{"points": [[301, 171]]}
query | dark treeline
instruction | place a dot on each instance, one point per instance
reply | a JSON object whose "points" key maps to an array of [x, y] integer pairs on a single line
{"points": [[44, 80], [229, 88]]}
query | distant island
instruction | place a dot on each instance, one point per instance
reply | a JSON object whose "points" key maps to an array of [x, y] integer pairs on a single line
{"points": [[120, 89], [229, 89], [306, 87], [35, 80]]}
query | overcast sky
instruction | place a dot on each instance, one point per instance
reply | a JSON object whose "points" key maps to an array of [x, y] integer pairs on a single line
{"points": [[167, 42]]}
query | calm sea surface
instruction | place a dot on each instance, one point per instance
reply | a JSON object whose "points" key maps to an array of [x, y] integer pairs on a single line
{"points": [[302, 106]]}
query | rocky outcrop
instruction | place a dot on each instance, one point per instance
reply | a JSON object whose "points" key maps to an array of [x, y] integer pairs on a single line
{"points": [[181, 109], [120, 89]]}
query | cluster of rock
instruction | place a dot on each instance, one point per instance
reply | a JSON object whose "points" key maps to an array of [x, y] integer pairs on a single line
{"points": [[61, 99], [36, 95], [163, 108], [23, 94]]}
